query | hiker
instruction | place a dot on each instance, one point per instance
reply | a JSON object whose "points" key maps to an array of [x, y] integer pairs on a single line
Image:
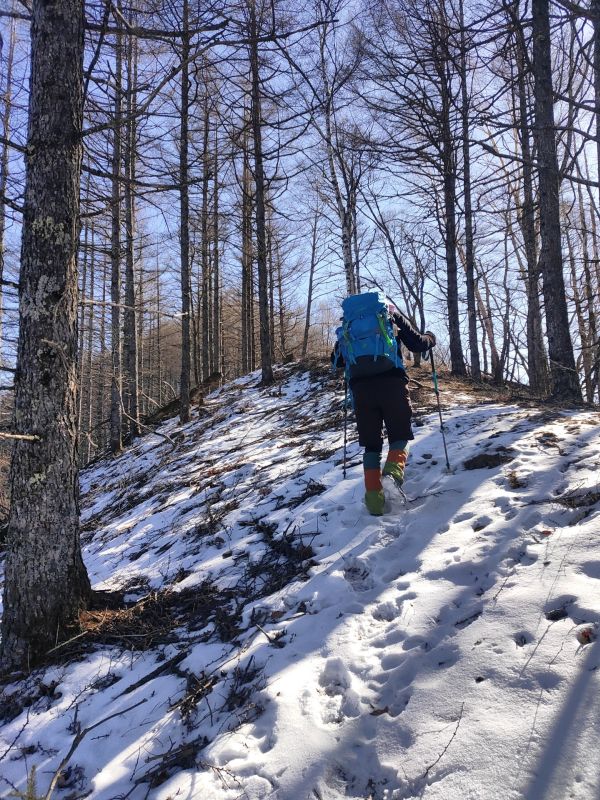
{"points": [[370, 352]]}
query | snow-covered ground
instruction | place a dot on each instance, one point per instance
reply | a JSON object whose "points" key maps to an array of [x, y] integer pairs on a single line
{"points": [[290, 646]]}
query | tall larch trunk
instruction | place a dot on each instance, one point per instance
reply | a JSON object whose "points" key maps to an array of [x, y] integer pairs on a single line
{"points": [[184, 233], [247, 258], [45, 580], [537, 362], [595, 13], [204, 243], [282, 337], [457, 360], [116, 385], [344, 212], [590, 303], [469, 237], [311, 281], [130, 340], [563, 373], [216, 304], [259, 183], [4, 166], [81, 323], [101, 384]]}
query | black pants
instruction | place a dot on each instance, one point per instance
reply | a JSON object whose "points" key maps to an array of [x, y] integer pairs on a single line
{"points": [[382, 399]]}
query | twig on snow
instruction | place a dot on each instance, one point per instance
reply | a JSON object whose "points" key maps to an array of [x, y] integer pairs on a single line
{"points": [[445, 750], [79, 737]]}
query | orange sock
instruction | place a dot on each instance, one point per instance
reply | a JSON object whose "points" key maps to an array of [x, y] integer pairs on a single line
{"points": [[373, 479], [397, 457]]}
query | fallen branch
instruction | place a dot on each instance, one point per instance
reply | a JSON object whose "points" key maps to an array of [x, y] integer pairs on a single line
{"points": [[79, 737], [26, 437], [445, 750]]}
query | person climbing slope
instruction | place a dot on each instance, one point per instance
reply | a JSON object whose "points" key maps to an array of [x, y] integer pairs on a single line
{"points": [[368, 348]]}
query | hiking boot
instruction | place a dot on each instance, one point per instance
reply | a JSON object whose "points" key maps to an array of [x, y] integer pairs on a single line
{"points": [[374, 501], [395, 471]]}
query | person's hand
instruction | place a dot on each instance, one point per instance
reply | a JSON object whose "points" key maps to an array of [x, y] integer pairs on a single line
{"points": [[431, 338]]}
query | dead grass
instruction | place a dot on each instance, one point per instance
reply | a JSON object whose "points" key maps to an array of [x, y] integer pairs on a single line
{"points": [[151, 621]]}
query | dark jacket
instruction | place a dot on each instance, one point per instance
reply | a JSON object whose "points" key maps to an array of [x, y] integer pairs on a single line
{"points": [[406, 335]]}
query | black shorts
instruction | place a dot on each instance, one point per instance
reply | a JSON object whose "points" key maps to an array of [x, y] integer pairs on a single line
{"points": [[378, 400]]}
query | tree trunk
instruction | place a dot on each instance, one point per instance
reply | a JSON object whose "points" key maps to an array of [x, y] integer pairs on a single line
{"points": [[343, 210], [271, 280], [457, 360], [4, 167], [588, 290], [81, 324], [159, 370], [85, 414], [469, 247], [537, 365], [45, 580], [259, 182], [100, 390], [247, 277], [130, 340], [565, 381], [282, 337], [116, 386], [595, 13], [311, 280], [216, 304], [584, 360], [204, 244], [184, 233]]}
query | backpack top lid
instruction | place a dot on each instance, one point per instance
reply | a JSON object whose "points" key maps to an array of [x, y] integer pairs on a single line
{"points": [[357, 305]]}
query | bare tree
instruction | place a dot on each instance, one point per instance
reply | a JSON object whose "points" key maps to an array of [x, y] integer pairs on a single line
{"points": [[46, 583], [565, 382]]}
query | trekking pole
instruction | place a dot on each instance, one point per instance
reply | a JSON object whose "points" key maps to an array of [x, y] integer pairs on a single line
{"points": [[437, 394], [345, 423]]}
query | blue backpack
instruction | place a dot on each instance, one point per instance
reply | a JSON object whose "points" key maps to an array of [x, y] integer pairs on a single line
{"points": [[366, 337]]}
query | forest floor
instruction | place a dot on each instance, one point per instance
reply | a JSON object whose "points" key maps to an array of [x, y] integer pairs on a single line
{"points": [[256, 634]]}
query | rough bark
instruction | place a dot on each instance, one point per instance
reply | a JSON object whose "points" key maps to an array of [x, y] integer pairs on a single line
{"points": [[564, 378], [45, 580]]}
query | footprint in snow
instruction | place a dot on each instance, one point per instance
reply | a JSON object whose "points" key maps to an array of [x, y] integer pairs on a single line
{"points": [[339, 700], [358, 574], [480, 523], [389, 610], [463, 517], [590, 568]]}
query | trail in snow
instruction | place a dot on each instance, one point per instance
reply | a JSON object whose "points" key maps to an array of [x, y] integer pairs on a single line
{"points": [[434, 652]]}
